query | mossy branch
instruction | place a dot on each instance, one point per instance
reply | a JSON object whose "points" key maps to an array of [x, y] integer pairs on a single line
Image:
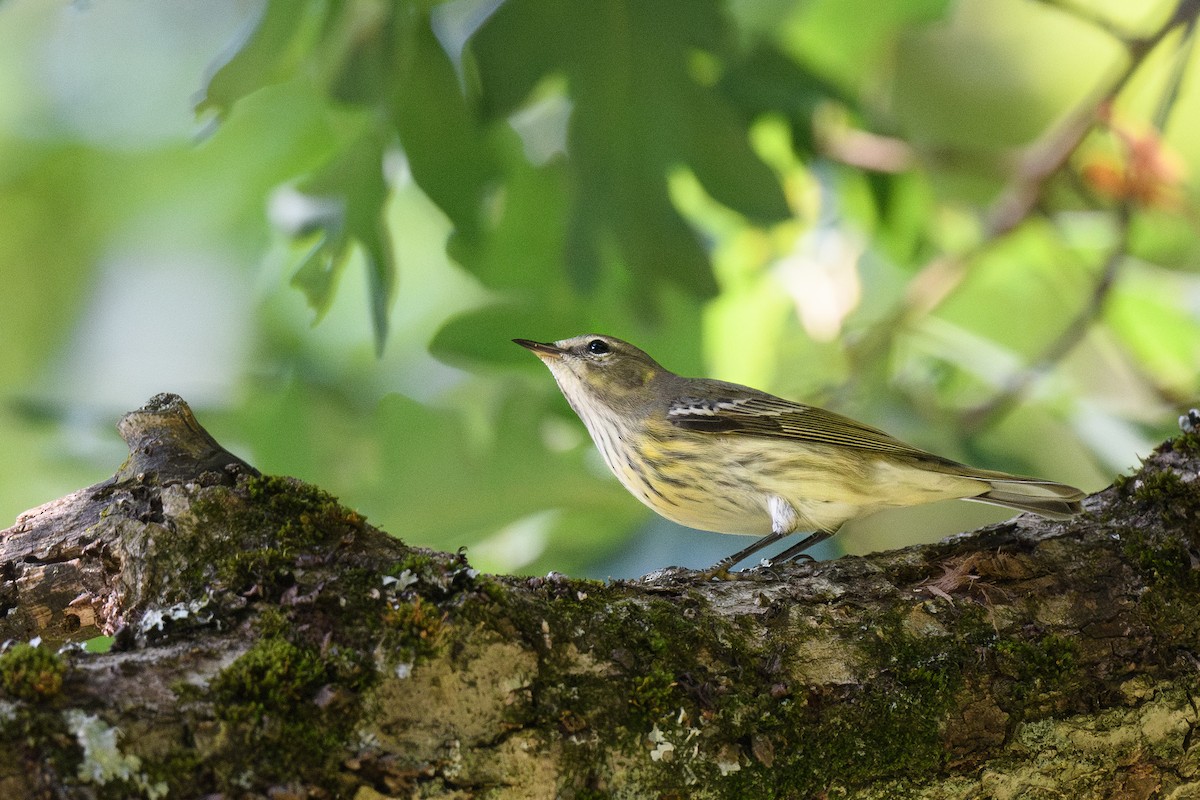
{"points": [[267, 640]]}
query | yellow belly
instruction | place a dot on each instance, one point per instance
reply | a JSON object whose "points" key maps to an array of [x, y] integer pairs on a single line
{"points": [[725, 484]]}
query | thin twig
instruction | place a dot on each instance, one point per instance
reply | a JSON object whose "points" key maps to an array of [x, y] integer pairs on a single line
{"points": [[1183, 57], [1015, 387], [982, 415], [1041, 161]]}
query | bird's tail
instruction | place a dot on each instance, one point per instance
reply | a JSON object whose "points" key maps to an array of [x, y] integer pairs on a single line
{"points": [[1050, 499]]}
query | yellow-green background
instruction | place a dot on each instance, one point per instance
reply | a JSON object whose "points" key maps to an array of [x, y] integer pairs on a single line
{"points": [[645, 169]]}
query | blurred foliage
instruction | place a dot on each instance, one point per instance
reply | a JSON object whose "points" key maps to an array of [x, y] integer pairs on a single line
{"points": [[970, 223]]}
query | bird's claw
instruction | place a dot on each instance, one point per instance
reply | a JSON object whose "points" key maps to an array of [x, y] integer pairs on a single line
{"points": [[718, 572]]}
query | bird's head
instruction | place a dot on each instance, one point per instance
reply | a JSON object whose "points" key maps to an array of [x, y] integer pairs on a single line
{"points": [[599, 370]]}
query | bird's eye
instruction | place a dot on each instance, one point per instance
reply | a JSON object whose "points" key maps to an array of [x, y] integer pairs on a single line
{"points": [[597, 347]]}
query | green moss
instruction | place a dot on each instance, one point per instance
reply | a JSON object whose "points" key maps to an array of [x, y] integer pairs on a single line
{"points": [[658, 671], [288, 519], [610, 667], [890, 727], [34, 734], [1043, 670], [654, 693], [492, 591], [414, 627], [648, 673], [272, 623], [251, 538], [1165, 548], [272, 677], [31, 673], [1164, 562], [1155, 486], [1187, 442], [1168, 567], [591, 794], [435, 575], [1175, 500], [278, 726], [183, 771], [417, 563]]}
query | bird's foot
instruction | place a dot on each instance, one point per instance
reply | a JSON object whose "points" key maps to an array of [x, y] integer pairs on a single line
{"points": [[721, 571], [718, 572]]}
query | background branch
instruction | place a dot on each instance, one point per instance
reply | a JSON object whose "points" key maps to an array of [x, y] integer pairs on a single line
{"points": [[1040, 162], [1142, 159]]}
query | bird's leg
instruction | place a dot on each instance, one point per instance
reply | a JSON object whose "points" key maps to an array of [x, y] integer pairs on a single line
{"points": [[721, 568], [796, 551], [784, 520]]}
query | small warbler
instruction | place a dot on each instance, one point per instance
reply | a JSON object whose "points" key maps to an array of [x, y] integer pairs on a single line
{"points": [[723, 457]]}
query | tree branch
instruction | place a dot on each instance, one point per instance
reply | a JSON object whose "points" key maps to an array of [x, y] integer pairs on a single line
{"points": [[269, 642]]}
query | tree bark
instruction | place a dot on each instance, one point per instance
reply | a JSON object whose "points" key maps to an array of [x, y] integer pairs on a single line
{"points": [[268, 642]]}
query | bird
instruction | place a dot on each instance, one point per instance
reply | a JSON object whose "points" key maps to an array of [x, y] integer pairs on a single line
{"points": [[719, 456]]}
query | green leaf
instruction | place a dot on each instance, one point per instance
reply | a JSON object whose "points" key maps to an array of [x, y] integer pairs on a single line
{"points": [[638, 114], [318, 271], [358, 53], [484, 336], [524, 248], [354, 192], [447, 149], [520, 45], [766, 81], [1144, 312], [718, 150], [847, 40], [278, 43]]}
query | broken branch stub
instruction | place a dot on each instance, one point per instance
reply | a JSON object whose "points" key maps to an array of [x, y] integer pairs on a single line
{"points": [[72, 568]]}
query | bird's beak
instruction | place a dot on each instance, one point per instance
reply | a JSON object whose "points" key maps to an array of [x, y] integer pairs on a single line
{"points": [[541, 349]]}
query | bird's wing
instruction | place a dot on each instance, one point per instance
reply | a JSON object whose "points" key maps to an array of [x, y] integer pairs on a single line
{"points": [[745, 411], [761, 414]]}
